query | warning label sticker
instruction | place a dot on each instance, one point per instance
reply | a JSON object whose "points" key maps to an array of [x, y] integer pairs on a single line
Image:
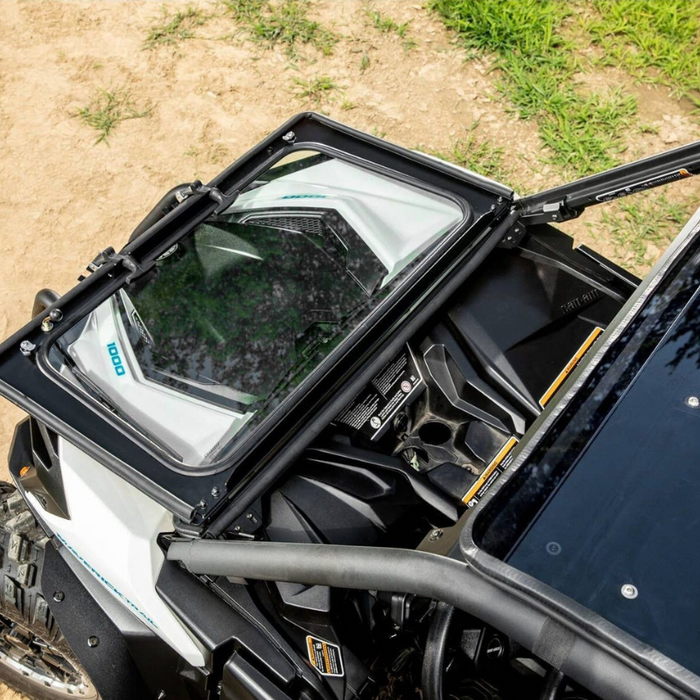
{"points": [[497, 466], [570, 366], [398, 382], [325, 657]]}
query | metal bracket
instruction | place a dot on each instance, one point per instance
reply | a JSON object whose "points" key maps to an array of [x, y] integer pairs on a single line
{"points": [[223, 200], [551, 212], [108, 255]]}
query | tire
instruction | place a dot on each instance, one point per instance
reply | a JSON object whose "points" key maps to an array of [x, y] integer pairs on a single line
{"points": [[35, 659]]}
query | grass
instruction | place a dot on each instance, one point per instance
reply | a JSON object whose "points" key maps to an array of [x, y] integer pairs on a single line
{"points": [[475, 153], [283, 23], [641, 227], [387, 25], [315, 89], [173, 28], [585, 131], [654, 40], [107, 109]]}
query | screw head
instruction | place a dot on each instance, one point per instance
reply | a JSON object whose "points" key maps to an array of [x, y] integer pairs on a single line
{"points": [[692, 402], [215, 492], [250, 516], [236, 528], [435, 535], [56, 315], [202, 505], [58, 596], [553, 548], [93, 642], [47, 324], [290, 137], [26, 347], [629, 591]]}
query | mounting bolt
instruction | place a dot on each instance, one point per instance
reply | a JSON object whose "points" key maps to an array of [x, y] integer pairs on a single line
{"points": [[555, 217], [629, 591], [26, 347], [93, 642], [58, 596], [289, 137], [47, 324], [435, 535], [202, 505], [692, 402], [250, 516], [236, 528], [215, 492], [56, 315]]}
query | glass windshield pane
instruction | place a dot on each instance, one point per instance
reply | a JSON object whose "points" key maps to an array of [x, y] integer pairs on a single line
{"points": [[239, 312]]}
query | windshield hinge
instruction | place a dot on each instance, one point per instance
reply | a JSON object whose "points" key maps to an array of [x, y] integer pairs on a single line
{"points": [[223, 200], [551, 211], [108, 255]]}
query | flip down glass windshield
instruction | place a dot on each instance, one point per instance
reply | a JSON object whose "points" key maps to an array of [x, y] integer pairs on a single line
{"points": [[239, 312]]}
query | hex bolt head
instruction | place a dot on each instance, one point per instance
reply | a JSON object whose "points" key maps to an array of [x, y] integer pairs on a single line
{"points": [[26, 347], [435, 535], [629, 591], [58, 596], [47, 324], [93, 642], [215, 492], [692, 402], [290, 137]]}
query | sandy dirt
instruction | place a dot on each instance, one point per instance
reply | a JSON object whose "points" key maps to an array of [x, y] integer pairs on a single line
{"points": [[64, 198]]}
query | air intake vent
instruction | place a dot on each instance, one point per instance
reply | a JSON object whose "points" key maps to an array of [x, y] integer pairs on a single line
{"points": [[312, 225]]}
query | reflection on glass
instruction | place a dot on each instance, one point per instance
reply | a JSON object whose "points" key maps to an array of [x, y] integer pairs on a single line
{"points": [[235, 315]]}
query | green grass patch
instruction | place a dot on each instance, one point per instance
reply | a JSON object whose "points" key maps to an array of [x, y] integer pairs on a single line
{"points": [[654, 40], [107, 109], [388, 25], [640, 228], [315, 89], [476, 153], [173, 28], [584, 130], [284, 23]]}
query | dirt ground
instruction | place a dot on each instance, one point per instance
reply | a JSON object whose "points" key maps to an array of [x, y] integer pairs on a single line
{"points": [[64, 198]]}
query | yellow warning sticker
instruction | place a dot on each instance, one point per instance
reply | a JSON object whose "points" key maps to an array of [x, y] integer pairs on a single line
{"points": [[570, 366], [325, 657], [496, 467]]}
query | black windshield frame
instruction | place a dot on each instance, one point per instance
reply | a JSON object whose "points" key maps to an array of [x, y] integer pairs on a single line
{"points": [[184, 491]]}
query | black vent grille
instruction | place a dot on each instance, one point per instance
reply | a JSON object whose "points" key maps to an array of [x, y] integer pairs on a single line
{"points": [[312, 225]]}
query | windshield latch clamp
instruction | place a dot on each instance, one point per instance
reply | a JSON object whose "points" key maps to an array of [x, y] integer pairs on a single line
{"points": [[108, 255], [223, 200]]}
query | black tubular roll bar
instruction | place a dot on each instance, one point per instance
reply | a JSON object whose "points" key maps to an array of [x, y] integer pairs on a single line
{"points": [[538, 629], [569, 201]]}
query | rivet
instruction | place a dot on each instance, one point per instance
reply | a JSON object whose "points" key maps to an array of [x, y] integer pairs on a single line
{"points": [[58, 596], [56, 315], [553, 548], [629, 591], [93, 642]]}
